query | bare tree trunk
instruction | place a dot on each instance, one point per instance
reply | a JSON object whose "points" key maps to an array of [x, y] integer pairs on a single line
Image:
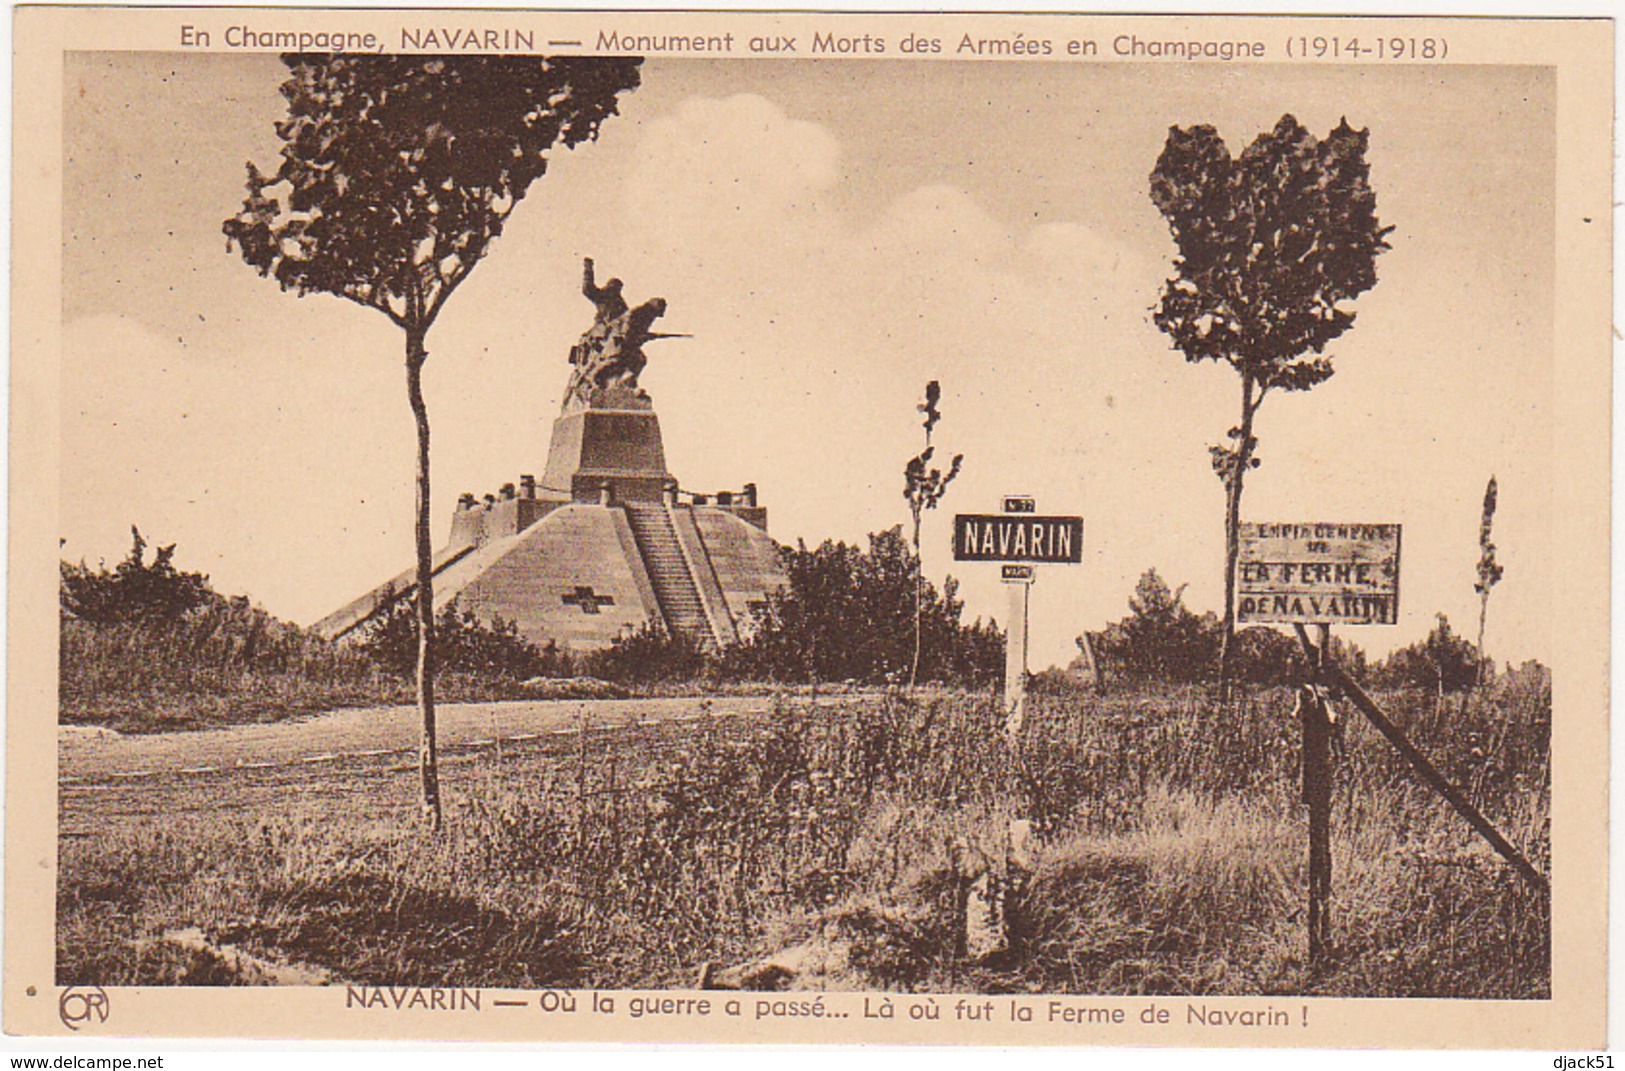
{"points": [[1087, 647], [919, 584], [1232, 532], [1478, 649], [428, 762], [1232, 550]]}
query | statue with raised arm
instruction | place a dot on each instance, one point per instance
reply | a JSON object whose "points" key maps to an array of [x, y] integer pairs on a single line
{"points": [[607, 299], [606, 362]]}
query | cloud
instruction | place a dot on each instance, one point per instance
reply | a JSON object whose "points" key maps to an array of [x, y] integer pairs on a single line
{"points": [[1071, 249], [730, 163], [935, 221]]}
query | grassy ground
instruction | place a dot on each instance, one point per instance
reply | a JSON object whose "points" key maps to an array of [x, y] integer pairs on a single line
{"points": [[238, 666], [1169, 858], [234, 665]]}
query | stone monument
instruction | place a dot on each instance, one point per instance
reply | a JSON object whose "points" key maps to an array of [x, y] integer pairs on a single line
{"points": [[607, 432], [606, 542]]}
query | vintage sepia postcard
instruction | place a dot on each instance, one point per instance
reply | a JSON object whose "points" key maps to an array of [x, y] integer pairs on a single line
{"points": [[809, 528]]}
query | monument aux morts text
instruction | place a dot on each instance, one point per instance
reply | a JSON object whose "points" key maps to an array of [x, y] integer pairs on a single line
{"points": [[604, 543]]}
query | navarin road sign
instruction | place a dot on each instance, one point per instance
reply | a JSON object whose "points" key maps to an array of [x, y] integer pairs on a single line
{"points": [[1020, 537], [1014, 538]]}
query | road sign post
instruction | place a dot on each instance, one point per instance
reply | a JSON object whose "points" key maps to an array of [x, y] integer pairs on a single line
{"points": [[1015, 659], [1019, 538]]}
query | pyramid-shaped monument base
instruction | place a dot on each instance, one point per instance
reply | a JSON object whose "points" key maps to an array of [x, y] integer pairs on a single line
{"points": [[602, 546]]}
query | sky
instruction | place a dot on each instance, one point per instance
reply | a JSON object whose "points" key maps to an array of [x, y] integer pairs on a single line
{"points": [[833, 234]]}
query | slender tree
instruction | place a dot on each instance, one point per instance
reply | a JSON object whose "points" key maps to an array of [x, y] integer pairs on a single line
{"points": [[397, 173], [1274, 245], [924, 488], [1489, 572]]}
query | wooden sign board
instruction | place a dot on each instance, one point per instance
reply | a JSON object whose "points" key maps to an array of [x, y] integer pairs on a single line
{"points": [[1334, 574], [994, 537], [1017, 574]]}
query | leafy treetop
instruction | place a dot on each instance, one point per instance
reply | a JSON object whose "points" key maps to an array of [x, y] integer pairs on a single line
{"points": [[924, 487], [1489, 570], [398, 171], [1273, 244]]}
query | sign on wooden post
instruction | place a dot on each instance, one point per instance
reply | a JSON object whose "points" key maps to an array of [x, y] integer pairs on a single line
{"points": [[1373, 599], [1321, 574], [1333, 574], [1017, 537]]}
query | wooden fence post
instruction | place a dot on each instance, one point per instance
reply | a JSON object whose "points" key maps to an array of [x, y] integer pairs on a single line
{"points": [[1317, 792]]}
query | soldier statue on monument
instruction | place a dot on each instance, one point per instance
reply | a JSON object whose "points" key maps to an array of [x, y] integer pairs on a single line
{"points": [[606, 362]]}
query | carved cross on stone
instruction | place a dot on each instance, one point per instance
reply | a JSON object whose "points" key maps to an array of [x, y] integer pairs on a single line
{"points": [[588, 600]]}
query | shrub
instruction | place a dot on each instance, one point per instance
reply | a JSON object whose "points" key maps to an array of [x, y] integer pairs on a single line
{"points": [[650, 655], [1164, 640], [227, 661], [848, 614], [1444, 662], [464, 644], [1263, 655], [1161, 638], [135, 591]]}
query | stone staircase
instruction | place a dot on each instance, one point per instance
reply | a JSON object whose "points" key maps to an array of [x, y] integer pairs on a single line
{"points": [[669, 572]]}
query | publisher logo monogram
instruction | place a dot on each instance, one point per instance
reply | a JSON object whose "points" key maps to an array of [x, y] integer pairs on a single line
{"points": [[81, 1005]]}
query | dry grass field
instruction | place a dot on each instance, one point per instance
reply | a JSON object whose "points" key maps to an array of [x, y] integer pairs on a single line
{"points": [[1168, 856]]}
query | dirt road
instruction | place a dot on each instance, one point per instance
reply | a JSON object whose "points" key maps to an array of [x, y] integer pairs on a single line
{"points": [[350, 758], [90, 756]]}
